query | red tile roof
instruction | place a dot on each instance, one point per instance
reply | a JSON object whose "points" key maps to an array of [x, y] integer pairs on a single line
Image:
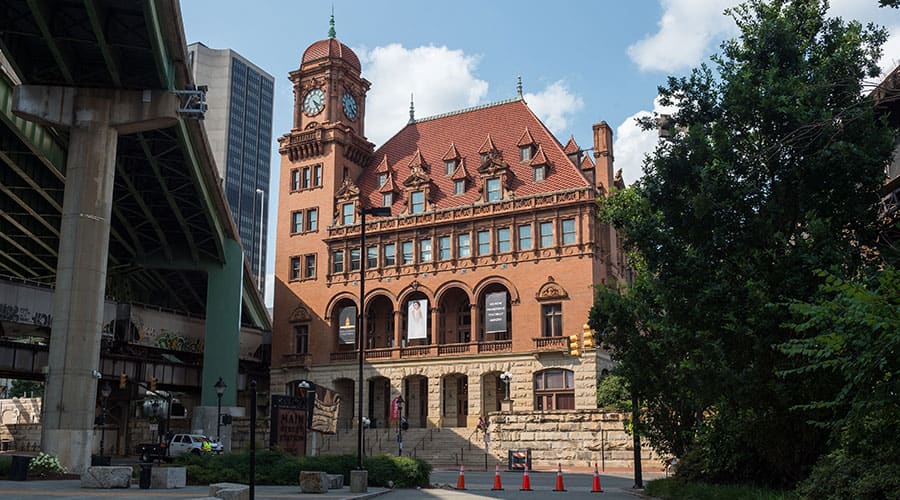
{"points": [[330, 47], [571, 146], [526, 138], [466, 130], [540, 158], [587, 163]]}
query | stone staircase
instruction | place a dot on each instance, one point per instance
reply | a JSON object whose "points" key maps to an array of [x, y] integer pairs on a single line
{"points": [[441, 447]]}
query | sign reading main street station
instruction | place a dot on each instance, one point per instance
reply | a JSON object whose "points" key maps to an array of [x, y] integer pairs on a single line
{"points": [[290, 419]]}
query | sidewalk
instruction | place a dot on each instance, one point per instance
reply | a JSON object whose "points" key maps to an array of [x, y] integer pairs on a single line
{"points": [[70, 489]]}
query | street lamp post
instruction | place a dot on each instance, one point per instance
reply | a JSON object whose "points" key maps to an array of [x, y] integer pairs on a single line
{"points": [[220, 390], [361, 324], [262, 209], [105, 391], [506, 377], [400, 421]]}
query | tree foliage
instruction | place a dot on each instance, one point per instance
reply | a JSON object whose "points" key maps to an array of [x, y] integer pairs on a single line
{"points": [[773, 174], [25, 388]]}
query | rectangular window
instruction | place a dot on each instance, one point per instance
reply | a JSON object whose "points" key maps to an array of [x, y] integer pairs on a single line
{"points": [[503, 242], [295, 180], [525, 153], [338, 261], [354, 259], [407, 252], [310, 271], [382, 180], [493, 189], [312, 219], [301, 339], [387, 199], [537, 173], [297, 221], [390, 255], [305, 181], [417, 199], [425, 250], [444, 248], [484, 242], [450, 166], [462, 245], [459, 186], [347, 214], [525, 237], [317, 175], [552, 324], [568, 231], [546, 234], [295, 268], [371, 257]]}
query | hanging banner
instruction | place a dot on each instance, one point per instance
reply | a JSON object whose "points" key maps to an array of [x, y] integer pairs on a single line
{"points": [[417, 319], [395, 408], [495, 312], [347, 328], [325, 411]]}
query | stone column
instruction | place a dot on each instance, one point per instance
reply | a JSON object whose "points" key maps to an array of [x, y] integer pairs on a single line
{"points": [[435, 329], [475, 324], [95, 119], [398, 330]]}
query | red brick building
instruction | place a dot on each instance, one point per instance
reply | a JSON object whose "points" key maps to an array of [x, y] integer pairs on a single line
{"points": [[485, 265]]}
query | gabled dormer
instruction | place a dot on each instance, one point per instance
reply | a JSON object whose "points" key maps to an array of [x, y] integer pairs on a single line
{"points": [[494, 173], [526, 146], [346, 199], [417, 186], [540, 166], [588, 169], [460, 179], [384, 176], [487, 150], [572, 150], [451, 160]]}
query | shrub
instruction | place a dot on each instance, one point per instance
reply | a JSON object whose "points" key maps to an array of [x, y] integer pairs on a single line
{"points": [[841, 475], [677, 489], [45, 465]]}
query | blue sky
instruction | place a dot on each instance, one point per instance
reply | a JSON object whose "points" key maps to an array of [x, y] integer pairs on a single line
{"points": [[581, 62]]}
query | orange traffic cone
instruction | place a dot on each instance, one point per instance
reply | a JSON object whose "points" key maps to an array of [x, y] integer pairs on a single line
{"points": [[559, 480], [498, 486], [461, 482], [526, 481], [596, 488]]}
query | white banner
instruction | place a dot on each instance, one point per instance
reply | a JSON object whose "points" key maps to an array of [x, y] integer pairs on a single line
{"points": [[417, 319]]}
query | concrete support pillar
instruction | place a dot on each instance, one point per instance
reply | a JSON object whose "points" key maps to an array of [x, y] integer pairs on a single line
{"points": [[95, 119], [223, 327]]}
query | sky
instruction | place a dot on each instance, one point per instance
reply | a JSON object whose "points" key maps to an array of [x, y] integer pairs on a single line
{"points": [[581, 61]]}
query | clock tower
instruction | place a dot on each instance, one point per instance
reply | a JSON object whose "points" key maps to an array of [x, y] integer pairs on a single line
{"points": [[322, 158]]}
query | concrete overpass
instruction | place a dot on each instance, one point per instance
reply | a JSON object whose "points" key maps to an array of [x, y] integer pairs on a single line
{"points": [[107, 190]]}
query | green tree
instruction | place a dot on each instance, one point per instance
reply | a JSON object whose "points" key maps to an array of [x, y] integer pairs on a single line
{"points": [[25, 388], [773, 173]]}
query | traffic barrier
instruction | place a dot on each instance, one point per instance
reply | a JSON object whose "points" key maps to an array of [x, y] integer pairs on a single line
{"points": [[526, 481], [498, 486], [596, 488], [461, 481], [559, 479]]}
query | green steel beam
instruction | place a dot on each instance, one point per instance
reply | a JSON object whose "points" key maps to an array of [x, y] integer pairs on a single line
{"points": [[157, 41], [40, 11], [164, 242], [170, 198], [223, 326], [42, 143], [98, 20]]}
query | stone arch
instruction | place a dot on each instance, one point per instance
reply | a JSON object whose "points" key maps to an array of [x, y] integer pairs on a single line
{"points": [[454, 319], [451, 285], [414, 288], [329, 308], [381, 292], [551, 290], [490, 280]]}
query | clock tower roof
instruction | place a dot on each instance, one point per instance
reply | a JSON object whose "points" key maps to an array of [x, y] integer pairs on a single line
{"points": [[330, 48]]}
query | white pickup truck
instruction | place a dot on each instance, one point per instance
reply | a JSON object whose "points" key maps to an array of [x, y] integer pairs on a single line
{"points": [[179, 445]]}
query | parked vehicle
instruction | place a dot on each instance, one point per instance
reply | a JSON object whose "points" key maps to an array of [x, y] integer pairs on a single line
{"points": [[177, 446]]}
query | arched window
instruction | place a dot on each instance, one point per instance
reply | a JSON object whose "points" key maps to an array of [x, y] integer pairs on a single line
{"points": [[554, 389]]}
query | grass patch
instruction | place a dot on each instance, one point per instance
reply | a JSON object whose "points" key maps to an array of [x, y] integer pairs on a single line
{"points": [[676, 489]]}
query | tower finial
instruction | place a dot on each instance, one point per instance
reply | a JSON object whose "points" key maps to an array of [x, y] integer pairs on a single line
{"points": [[412, 109], [331, 33], [519, 87]]}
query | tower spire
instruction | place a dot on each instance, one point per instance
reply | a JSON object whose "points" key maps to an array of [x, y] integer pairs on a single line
{"points": [[331, 33], [519, 87], [412, 109]]}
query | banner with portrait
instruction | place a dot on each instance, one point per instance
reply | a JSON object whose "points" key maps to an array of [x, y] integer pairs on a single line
{"points": [[347, 325], [417, 319]]}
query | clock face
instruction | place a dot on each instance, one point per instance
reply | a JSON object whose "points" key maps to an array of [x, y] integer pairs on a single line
{"points": [[350, 107], [314, 102]]}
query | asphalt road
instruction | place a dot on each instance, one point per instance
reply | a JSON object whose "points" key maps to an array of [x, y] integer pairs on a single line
{"points": [[478, 485]]}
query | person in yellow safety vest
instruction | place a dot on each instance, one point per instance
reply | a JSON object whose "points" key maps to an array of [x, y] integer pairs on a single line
{"points": [[207, 446]]}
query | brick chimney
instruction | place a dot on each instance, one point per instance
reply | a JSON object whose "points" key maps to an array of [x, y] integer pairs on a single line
{"points": [[603, 155]]}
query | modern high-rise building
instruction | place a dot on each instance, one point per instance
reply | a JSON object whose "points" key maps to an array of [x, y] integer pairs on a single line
{"points": [[238, 122]]}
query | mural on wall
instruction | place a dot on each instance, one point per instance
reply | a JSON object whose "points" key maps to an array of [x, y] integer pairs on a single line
{"points": [[166, 330]]}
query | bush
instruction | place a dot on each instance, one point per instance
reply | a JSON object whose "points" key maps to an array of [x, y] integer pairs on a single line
{"points": [[840, 475], [45, 465], [612, 393], [677, 489], [278, 468]]}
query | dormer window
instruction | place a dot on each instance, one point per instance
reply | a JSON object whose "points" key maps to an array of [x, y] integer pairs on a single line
{"points": [[450, 166], [382, 179], [387, 199], [539, 172], [493, 189], [459, 186], [525, 153], [347, 214], [417, 202], [484, 157]]}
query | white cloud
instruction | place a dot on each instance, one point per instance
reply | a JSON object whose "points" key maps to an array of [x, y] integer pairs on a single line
{"points": [[632, 144], [686, 32], [555, 105], [441, 80], [691, 29]]}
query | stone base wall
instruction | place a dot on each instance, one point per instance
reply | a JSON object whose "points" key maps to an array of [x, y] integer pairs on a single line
{"points": [[240, 434], [576, 439]]}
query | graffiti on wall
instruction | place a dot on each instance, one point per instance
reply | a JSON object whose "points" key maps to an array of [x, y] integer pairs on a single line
{"points": [[167, 331]]}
